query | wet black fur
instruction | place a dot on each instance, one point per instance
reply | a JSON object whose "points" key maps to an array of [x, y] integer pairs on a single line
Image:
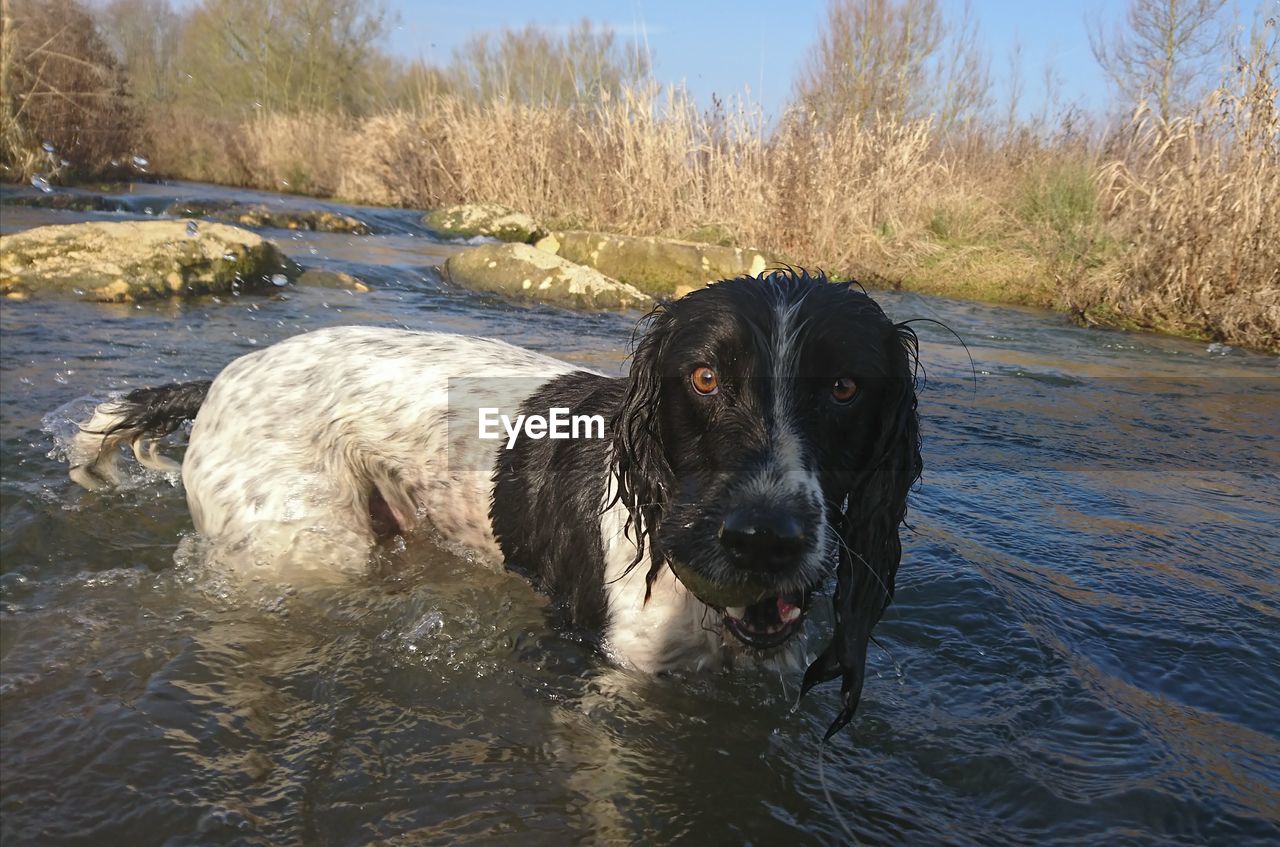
{"points": [[547, 496], [156, 412]]}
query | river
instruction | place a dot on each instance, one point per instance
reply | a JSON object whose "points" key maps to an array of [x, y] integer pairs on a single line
{"points": [[1084, 648]]}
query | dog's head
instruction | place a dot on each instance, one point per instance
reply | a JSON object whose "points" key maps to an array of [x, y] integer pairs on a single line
{"points": [[768, 433]]}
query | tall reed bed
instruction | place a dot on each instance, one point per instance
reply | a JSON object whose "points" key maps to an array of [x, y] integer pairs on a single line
{"points": [[1172, 226], [1197, 205]]}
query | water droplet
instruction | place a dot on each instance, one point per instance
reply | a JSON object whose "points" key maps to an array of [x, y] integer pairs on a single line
{"points": [[279, 280], [62, 163], [41, 183], [48, 147], [115, 163], [148, 211], [284, 183], [228, 256], [192, 229]]}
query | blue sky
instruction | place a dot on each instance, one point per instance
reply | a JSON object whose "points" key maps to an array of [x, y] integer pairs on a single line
{"points": [[725, 48]]}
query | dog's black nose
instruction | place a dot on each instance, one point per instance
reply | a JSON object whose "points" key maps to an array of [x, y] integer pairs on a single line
{"points": [[763, 539]]}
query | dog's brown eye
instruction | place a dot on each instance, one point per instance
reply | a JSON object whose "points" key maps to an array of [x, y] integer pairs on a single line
{"points": [[704, 380], [844, 389]]}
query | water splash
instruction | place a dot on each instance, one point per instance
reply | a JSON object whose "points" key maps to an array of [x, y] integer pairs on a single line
{"points": [[63, 424], [41, 183]]}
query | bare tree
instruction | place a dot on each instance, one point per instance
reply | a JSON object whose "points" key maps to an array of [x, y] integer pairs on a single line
{"points": [[61, 90], [282, 55], [144, 36], [1164, 53], [1013, 99], [895, 58], [535, 66]]}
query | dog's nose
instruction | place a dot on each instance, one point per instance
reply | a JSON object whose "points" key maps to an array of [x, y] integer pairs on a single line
{"points": [[764, 539]]}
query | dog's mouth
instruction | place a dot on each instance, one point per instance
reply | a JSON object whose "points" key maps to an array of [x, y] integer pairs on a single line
{"points": [[767, 623], [759, 616]]}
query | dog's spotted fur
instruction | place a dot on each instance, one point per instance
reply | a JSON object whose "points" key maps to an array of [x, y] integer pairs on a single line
{"points": [[305, 453]]}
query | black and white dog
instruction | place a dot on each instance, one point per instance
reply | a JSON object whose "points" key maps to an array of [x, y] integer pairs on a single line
{"points": [[766, 435]]}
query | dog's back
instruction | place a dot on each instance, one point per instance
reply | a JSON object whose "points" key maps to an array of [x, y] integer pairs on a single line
{"points": [[322, 442]]}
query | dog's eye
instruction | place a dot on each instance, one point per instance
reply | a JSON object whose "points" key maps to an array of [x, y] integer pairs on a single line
{"points": [[704, 380], [844, 389]]}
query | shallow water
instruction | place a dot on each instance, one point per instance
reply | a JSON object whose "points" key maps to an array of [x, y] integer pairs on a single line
{"points": [[1083, 648]]}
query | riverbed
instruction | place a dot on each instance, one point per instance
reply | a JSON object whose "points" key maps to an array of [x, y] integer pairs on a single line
{"points": [[1083, 648]]}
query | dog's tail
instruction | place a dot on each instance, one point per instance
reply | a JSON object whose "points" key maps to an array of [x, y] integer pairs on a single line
{"points": [[138, 419]]}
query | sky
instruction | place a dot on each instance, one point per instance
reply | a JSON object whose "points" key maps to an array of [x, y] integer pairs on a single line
{"points": [[730, 48]]}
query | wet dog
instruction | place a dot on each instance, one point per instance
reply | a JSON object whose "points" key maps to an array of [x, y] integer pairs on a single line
{"points": [[765, 437]]}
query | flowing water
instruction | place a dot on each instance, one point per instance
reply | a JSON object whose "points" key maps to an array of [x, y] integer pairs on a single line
{"points": [[1084, 648]]}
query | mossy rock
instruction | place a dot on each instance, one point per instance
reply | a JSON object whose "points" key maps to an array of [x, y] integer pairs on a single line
{"points": [[257, 215], [315, 278], [522, 272], [660, 267], [66, 201], [721, 235], [487, 220], [137, 260], [194, 208]]}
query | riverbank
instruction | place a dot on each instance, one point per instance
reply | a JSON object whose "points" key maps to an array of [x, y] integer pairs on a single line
{"points": [[1053, 251], [1165, 218]]}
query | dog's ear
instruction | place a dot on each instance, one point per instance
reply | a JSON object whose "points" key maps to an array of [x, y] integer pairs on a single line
{"points": [[877, 506], [641, 470]]}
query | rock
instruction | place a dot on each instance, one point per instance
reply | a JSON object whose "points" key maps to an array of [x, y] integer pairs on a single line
{"points": [[196, 208], [549, 243], [719, 234], [483, 219], [67, 201], [137, 260], [314, 220], [659, 266], [523, 272], [331, 279]]}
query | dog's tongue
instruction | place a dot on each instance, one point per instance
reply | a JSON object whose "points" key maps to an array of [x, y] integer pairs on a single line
{"points": [[771, 611], [787, 611]]}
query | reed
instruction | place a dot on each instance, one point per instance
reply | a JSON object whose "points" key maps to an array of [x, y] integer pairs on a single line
{"points": [[1171, 225], [1196, 202]]}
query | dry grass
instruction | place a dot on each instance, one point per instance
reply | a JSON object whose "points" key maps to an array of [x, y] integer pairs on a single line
{"points": [[855, 198], [1171, 226], [61, 93], [1197, 202]]}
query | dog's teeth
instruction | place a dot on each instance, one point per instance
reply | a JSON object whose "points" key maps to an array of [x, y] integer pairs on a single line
{"points": [[736, 612], [790, 614]]}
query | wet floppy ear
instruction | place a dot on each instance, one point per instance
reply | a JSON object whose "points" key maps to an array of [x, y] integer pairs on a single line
{"points": [[640, 465], [872, 550]]}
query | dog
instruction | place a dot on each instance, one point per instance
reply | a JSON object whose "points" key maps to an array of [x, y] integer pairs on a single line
{"points": [[766, 436]]}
